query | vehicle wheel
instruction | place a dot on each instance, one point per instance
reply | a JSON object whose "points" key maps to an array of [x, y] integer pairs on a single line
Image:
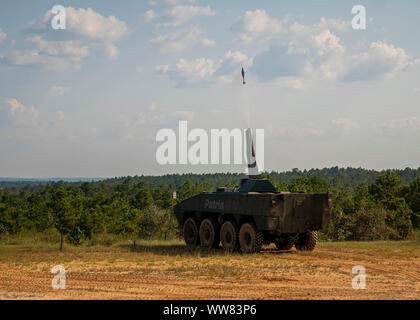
{"points": [[229, 235], [307, 241], [250, 239], [284, 245], [191, 232], [209, 233]]}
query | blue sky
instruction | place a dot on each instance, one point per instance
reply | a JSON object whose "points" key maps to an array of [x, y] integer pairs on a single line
{"points": [[89, 100]]}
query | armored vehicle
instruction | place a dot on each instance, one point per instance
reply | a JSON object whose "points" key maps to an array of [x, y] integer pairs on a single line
{"points": [[252, 215]]}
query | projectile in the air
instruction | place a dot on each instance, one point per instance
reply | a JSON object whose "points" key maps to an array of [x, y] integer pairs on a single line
{"points": [[243, 76]]}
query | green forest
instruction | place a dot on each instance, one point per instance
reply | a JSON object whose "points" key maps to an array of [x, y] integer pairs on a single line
{"points": [[366, 204]]}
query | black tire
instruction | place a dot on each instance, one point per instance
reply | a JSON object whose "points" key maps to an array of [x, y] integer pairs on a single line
{"points": [[190, 231], [250, 238], [209, 233], [229, 235], [307, 241], [284, 245]]}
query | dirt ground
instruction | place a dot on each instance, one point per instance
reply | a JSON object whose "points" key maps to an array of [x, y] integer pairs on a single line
{"points": [[159, 270]]}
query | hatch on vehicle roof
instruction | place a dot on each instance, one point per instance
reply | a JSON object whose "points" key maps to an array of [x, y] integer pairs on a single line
{"points": [[256, 185]]}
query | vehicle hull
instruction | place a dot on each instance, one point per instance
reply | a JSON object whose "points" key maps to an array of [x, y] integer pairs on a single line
{"points": [[272, 212]]}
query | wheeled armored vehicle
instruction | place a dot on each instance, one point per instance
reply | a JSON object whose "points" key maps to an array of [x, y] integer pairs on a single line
{"points": [[252, 215]]}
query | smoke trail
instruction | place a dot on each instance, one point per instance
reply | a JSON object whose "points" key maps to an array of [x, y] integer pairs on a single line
{"points": [[242, 106]]}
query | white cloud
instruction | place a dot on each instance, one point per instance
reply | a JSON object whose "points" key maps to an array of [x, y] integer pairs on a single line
{"points": [[22, 115], [35, 58], [111, 51], [85, 29], [315, 52], [58, 90], [326, 43], [203, 71], [297, 55], [207, 42], [181, 14], [191, 72], [149, 15], [257, 24], [180, 40], [52, 55], [336, 24], [197, 68], [15, 106], [85, 23], [91, 24], [296, 51], [381, 60], [238, 57], [3, 35], [72, 50], [54, 48], [317, 40], [322, 56]]}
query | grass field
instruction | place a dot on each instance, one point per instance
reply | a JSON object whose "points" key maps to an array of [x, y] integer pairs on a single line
{"points": [[169, 270]]}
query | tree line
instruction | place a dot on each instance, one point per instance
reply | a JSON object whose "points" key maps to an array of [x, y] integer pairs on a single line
{"points": [[338, 177], [386, 208]]}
